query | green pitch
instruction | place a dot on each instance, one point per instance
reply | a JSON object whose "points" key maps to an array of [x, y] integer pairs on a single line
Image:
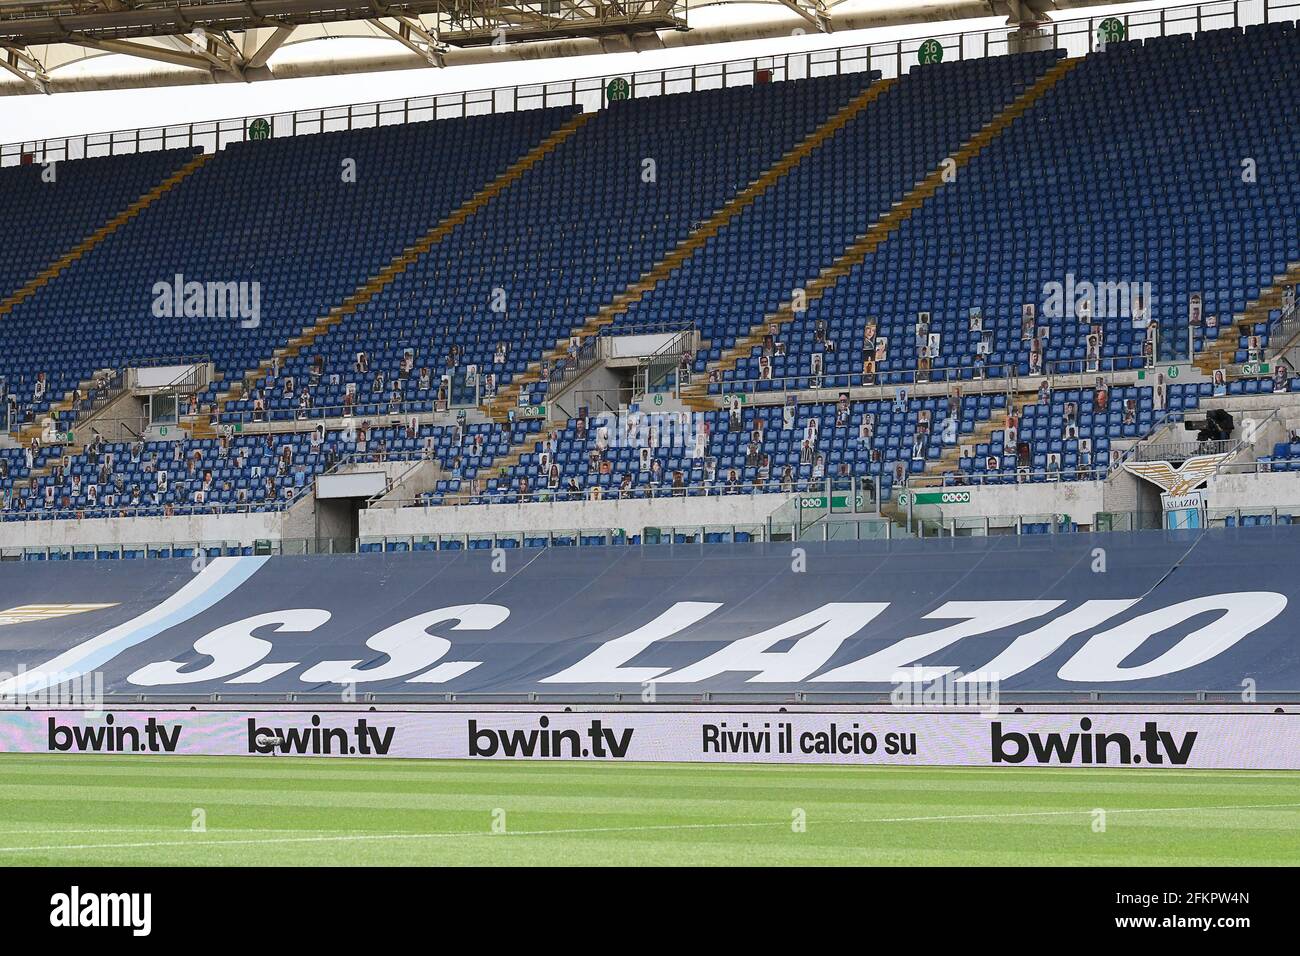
{"points": [[107, 810]]}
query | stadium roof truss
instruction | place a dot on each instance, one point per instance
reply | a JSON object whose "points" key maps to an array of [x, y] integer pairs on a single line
{"points": [[183, 42], [236, 36], [456, 22]]}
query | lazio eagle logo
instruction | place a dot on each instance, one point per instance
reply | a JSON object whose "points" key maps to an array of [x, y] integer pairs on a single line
{"points": [[1178, 481]]}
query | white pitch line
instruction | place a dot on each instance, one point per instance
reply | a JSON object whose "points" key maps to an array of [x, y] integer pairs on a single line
{"points": [[5, 831], [648, 828], [1058, 813]]}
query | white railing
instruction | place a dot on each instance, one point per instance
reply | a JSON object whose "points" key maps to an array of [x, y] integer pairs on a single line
{"points": [[848, 527], [894, 58]]}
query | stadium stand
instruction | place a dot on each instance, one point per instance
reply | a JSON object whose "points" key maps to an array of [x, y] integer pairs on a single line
{"points": [[464, 261], [69, 210], [252, 472], [1068, 436], [289, 221], [754, 449], [837, 198], [569, 236], [1154, 190]]}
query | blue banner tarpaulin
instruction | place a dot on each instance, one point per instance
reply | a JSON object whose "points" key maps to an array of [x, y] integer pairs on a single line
{"points": [[1160, 611]]}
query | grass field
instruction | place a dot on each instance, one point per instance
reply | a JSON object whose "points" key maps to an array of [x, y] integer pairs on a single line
{"points": [[108, 810]]}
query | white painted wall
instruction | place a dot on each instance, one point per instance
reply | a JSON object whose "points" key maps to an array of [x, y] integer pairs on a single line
{"points": [[1261, 492], [161, 376], [629, 514], [352, 484], [243, 528], [1078, 499], [635, 346]]}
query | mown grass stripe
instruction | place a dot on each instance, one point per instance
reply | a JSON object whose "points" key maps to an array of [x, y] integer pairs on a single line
{"points": [[137, 810]]}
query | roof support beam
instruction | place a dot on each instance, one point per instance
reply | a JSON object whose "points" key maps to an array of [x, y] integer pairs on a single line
{"points": [[202, 51], [146, 51], [412, 35], [24, 66], [268, 47], [213, 48], [814, 11]]}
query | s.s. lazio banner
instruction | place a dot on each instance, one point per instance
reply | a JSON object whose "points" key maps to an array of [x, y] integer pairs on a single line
{"points": [[1207, 610]]}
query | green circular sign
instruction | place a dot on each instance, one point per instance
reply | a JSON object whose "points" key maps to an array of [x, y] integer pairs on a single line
{"points": [[1111, 30], [618, 89], [931, 51], [259, 129]]}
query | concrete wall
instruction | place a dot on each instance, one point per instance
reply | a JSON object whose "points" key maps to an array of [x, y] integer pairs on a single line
{"points": [[1078, 499], [411, 481], [630, 514], [244, 528], [1122, 491], [304, 520], [1081, 500], [1261, 493], [335, 518], [599, 380], [123, 419]]}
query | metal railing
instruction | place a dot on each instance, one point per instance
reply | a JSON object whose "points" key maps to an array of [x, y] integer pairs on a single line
{"points": [[840, 527], [996, 378], [104, 390], [194, 377], [571, 366], [867, 387], [364, 409], [863, 492], [1256, 467], [107, 385], [892, 58], [587, 93], [140, 511], [1284, 331], [666, 360], [1182, 450], [1249, 437], [1009, 476], [722, 485], [598, 401]]}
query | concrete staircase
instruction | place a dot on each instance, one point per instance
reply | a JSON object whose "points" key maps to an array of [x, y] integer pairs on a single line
{"points": [[696, 395], [62, 406], [47, 275], [1219, 354], [201, 426], [508, 397], [950, 456], [947, 461], [204, 425]]}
